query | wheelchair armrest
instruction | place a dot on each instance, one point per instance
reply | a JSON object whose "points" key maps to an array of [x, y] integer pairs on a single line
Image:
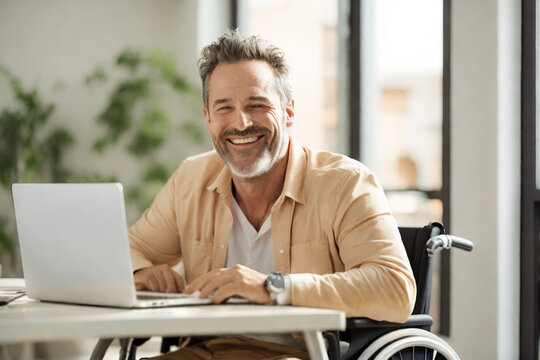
{"points": [[413, 321]]}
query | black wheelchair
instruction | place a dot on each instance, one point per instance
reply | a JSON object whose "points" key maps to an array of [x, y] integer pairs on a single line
{"points": [[412, 340], [369, 339]]}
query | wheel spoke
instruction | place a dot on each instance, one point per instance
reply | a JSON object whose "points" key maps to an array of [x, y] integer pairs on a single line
{"points": [[406, 344]]}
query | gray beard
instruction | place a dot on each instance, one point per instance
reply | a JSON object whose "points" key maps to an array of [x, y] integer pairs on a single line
{"points": [[261, 166]]}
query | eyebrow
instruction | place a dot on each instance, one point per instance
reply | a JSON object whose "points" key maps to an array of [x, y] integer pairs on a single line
{"points": [[221, 101], [251, 98], [259, 98]]}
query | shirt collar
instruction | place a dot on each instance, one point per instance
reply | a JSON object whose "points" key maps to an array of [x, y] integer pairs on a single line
{"points": [[223, 181], [293, 187]]}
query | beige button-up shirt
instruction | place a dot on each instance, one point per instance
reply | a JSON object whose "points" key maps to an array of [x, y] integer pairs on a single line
{"points": [[331, 226]]}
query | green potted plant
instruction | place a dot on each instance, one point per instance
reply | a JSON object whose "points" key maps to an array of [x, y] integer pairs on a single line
{"points": [[30, 147], [137, 115]]}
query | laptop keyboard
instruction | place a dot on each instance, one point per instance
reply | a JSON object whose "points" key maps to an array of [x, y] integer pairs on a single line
{"points": [[147, 295]]}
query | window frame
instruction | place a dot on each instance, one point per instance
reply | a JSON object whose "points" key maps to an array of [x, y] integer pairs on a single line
{"points": [[530, 194]]}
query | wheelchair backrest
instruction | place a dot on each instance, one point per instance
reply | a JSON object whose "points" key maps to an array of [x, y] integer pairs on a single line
{"points": [[414, 240]]}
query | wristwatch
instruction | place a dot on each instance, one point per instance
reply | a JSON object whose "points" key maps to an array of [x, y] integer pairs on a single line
{"points": [[279, 288]]}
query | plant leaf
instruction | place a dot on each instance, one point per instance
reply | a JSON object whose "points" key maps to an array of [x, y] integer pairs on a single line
{"points": [[129, 58], [98, 75], [151, 133], [6, 240]]}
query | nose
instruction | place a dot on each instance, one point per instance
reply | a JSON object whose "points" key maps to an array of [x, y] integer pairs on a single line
{"points": [[242, 120]]}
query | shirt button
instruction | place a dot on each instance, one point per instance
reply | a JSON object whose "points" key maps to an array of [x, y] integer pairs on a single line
{"points": [[281, 251], [221, 246]]}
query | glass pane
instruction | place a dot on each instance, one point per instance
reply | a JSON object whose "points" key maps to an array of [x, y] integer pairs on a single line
{"points": [[414, 208], [310, 42], [402, 59]]}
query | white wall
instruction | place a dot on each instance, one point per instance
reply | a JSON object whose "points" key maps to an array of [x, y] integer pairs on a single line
{"points": [[485, 177], [62, 41]]}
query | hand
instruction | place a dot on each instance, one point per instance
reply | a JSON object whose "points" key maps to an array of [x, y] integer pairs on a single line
{"points": [[160, 278], [237, 280]]}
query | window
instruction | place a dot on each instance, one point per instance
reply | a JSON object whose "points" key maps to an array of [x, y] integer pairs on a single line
{"points": [[368, 81], [401, 133], [402, 109]]}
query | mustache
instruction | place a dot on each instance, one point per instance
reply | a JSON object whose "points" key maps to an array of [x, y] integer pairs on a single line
{"points": [[252, 130]]}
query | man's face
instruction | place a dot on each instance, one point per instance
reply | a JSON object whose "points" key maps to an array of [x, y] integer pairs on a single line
{"points": [[245, 118]]}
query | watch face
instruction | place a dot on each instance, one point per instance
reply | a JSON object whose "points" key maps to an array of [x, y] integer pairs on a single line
{"points": [[276, 280]]}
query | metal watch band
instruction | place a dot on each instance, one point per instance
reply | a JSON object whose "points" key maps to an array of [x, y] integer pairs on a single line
{"points": [[278, 287]]}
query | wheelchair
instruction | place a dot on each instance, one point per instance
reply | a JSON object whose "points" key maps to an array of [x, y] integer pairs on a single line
{"points": [[369, 339], [412, 340]]}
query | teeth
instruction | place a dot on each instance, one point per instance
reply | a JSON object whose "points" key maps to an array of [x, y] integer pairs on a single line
{"points": [[244, 140]]}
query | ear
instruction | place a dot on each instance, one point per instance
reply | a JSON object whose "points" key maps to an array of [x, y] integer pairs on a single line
{"points": [[289, 111]]}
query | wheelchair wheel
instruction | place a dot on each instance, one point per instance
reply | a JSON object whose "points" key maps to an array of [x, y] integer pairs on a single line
{"points": [[405, 344], [416, 347]]}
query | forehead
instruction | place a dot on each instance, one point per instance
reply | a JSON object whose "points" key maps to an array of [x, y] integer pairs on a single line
{"points": [[251, 76]]}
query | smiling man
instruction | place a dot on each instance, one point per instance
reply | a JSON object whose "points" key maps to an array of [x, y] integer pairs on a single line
{"points": [[265, 218]]}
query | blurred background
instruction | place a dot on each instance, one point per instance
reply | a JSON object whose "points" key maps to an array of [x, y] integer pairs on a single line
{"points": [[109, 91]]}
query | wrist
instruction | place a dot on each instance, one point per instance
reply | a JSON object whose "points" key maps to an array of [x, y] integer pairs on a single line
{"points": [[279, 288]]}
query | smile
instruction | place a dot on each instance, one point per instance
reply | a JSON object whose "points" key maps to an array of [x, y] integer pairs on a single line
{"points": [[244, 140]]}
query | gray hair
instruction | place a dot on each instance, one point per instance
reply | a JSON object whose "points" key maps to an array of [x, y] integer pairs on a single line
{"points": [[232, 47]]}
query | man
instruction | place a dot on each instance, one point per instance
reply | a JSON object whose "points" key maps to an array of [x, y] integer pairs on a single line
{"points": [[266, 219]]}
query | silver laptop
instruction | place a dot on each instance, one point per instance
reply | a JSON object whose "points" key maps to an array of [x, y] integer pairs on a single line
{"points": [[75, 248]]}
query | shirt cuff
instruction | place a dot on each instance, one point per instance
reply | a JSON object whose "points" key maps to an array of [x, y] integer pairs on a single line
{"points": [[284, 297]]}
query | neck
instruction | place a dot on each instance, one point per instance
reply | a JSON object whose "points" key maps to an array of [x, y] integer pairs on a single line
{"points": [[256, 196]]}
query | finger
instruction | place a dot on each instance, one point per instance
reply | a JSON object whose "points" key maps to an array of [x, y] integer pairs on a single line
{"points": [[139, 283], [214, 284], [170, 282], [151, 282], [162, 283], [201, 281], [225, 292], [179, 280], [140, 278], [157, 282], [140, 287]]}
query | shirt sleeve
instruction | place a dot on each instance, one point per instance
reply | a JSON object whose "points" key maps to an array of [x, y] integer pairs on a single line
{"points": [[154, 238], [378, 281]]}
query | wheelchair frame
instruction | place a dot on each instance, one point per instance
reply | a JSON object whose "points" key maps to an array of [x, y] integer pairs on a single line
{"points": [[381, 340]]}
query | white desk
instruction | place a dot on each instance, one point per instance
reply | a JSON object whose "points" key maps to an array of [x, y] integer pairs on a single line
{"points": [[26, 320]]}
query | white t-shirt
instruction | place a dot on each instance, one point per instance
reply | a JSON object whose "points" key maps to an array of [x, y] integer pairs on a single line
{"points": [[249, 247], [254, 249]]}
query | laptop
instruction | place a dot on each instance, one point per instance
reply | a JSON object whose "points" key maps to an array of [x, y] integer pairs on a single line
{"points": [[75, 248]]}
